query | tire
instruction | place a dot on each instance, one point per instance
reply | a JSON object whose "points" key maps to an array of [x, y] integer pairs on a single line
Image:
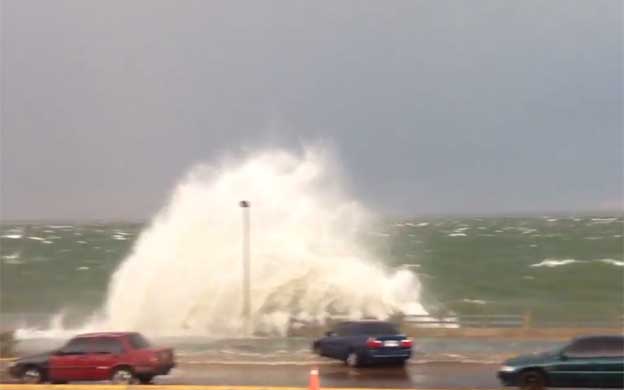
{"points": [[532, 380], [123, 376], [402, 363], [145, 379], [32, 375], [353, 359]]}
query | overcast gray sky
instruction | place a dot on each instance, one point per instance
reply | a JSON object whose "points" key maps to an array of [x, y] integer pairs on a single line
{"points": [[431, 106]]}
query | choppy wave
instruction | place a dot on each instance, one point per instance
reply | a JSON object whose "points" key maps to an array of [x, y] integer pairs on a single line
{"points": [[184, 273], [554, 262], [551, 263], [619, 263]]}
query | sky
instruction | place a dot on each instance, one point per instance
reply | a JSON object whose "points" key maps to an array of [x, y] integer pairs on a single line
{"points": [[431, 107]]}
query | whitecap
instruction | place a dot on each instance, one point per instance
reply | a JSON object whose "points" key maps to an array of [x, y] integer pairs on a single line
{"points": [[603, 220], [555, 262], [457, 235], [119, 237], [13, 261], [619, 263], [12, 236], [423, 224], [36, 238], [83, 268], [475, 301]]}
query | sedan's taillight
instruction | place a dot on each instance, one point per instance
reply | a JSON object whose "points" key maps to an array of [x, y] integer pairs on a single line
{"points": [[372, 343], [407, 343]]}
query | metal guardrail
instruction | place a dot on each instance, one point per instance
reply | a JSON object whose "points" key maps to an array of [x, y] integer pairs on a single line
{"points": [[509, 321]]}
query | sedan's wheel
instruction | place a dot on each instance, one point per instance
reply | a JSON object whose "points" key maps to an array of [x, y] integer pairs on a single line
{"points": [[353, 360], [122, 376], [32, 375], [145, 379], [532, 380]]}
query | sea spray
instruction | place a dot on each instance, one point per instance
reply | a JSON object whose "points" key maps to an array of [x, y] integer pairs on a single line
{"points": [[184, 274]]}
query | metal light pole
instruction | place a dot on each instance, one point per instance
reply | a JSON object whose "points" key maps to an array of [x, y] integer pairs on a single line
{"points": [[245, 205]]}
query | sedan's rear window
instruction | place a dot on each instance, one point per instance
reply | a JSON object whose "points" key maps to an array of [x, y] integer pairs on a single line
{"points": [[138, 341], [374, 329]]}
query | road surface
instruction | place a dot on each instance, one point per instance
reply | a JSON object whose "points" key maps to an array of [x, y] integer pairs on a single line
{"points": [[436, 375]]}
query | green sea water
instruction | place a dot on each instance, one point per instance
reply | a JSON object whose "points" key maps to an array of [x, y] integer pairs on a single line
{"points": [[559, 268]]}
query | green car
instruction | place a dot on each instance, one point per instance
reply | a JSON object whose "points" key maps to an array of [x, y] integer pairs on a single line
{"points": [[593, 361]]}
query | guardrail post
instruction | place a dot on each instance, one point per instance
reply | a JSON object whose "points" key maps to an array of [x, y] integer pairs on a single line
{"points": [[527, 320]]}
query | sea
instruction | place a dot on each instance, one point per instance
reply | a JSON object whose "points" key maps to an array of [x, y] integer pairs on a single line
{"points": [[560, 268]]}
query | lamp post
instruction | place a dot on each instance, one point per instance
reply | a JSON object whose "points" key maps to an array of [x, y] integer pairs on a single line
{"points": [[245, 205]]}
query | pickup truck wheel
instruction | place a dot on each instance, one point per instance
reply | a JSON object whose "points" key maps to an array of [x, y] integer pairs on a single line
{"points": [[353, 359], [532, 380], [122, 376], [32, 375]]}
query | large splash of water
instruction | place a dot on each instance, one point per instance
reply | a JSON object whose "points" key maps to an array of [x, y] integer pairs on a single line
{"points": [[184, 274]]}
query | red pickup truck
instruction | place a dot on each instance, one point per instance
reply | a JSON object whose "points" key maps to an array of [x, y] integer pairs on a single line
{"points": [[122, 357]]}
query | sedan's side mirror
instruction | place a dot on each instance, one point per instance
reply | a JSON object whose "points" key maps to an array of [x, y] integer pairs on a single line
{"points": [[330, 334]]}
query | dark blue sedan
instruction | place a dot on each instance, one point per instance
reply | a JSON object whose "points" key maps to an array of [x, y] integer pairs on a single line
{"points": [[365, 342]]}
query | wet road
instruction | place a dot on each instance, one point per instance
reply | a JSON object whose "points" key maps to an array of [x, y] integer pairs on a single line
{"points": [[425, 375]]}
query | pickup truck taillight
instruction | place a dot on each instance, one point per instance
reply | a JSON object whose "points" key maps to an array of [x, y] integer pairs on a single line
{"points": [[372, 343], [407, 343]]}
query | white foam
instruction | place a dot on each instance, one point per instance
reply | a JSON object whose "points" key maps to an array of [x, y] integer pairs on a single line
{"points": [[619, 263], [119, 237], [12, 236], [184, 274], [457, 235], [603, 220], [423, 224], [36, 238], [12, 259], [475, 301], [555, 262]]}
